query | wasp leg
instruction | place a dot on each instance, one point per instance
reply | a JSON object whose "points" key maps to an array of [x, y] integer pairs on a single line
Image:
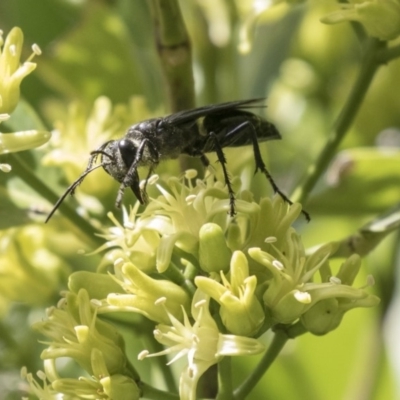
{"points": [[222, 160], [261, 166], [154, 153], [131, 178], [205, 161], [143, 191]]}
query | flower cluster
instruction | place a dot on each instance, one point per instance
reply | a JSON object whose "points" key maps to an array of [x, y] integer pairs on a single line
{"points": [[184, 251], [96, 346], [30, 271], [11, 76]]}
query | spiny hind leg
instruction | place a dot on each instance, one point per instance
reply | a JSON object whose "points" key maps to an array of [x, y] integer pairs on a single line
{"points": [[221, 158], [260, 165]]}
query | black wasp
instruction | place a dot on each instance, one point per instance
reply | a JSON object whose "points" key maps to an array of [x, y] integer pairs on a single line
{"points": [[192, 132]]}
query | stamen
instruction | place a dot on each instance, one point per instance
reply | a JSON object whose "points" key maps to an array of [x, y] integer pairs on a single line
{"points": [[190, 199], [278, 265], [36, 49], [24, 370], [200, 303], [119, 262], [95, 302], [335, 280], [302, 297], [61, 302], [5, 168], [271, 239], [143, 354], [190, 174], [41, 375], [153, 179], [13, 50], [160, 301]]}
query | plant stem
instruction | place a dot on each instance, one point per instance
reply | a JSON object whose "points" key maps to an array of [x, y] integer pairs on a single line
{"points": [[174, 50], [388, 54], [269, 357], [175, 54], [369, 66], [79, 223], [149, 392], [224, 379]]}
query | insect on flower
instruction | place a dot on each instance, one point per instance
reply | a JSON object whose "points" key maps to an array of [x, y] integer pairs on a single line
{"points": [[192, 132]]}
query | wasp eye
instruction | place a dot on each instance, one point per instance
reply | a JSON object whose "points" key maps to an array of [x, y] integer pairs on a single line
{"points": [[128, 151]]}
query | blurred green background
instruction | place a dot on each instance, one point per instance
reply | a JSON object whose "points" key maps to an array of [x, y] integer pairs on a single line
{"points": [[306, 71]]}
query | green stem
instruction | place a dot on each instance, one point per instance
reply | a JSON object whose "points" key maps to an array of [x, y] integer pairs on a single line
{"points": [[269, 357], [369, 66], [388, 54], [174, 274], [149, 392], [160, 362], [80, 224], [175, 54], [224, 379], [174, 50]]}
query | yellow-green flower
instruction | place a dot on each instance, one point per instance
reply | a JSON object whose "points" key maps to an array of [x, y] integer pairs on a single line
{"points": [[11, 71], [176, 221], [241, 312], [293, 292], [75, 332], [101, 385], [380, 18], [134, 240], [201, 343], [29, 271], [11, 75], [140, 292], [96, 346]]}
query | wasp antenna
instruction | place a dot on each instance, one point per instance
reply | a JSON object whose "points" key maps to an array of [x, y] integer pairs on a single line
{"points": [[71, 190], [103, 153]]}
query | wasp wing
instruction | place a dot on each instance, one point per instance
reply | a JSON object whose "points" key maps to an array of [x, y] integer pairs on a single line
{"points": [[183, 117], [229, 122]]}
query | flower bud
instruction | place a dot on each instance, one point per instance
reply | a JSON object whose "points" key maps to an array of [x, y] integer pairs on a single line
{"points": [[11, 72], [120, 387], [241, 312], [25, 140], [214, 254], [290, 307], [322, 317]]}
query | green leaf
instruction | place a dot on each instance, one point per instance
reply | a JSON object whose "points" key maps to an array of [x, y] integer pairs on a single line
{"points": [[10, 214], [363, 180], [96, 58], [23, 118]]}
